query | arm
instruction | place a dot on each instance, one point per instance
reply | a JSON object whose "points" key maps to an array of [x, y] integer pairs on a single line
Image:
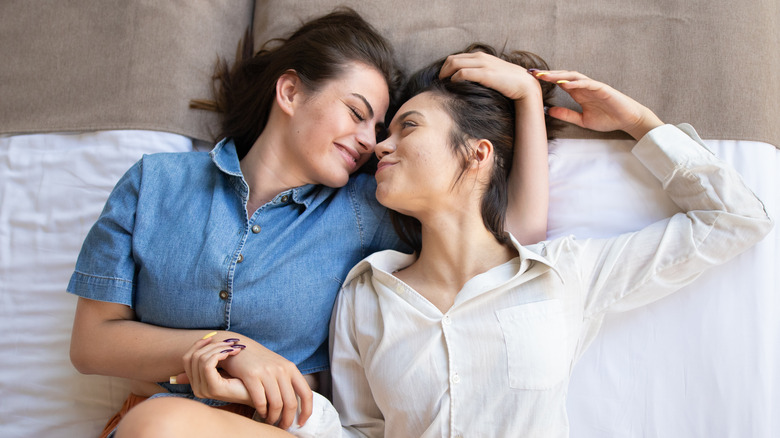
{"points": [[721, 216], [526, 216], [352, 397], [108, 339]]}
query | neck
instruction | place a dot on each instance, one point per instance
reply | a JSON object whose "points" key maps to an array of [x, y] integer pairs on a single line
{"points": [[267, 171], [455, 249]]}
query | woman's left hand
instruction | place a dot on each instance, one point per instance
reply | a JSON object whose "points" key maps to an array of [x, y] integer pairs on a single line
{"points": [[511, 80], [201, 364]]}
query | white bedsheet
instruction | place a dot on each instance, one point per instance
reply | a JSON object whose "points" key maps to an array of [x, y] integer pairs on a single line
{"points": [[703, 362]]}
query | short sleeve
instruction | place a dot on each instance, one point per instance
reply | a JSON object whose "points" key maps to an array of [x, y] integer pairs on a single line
{"points": [[105, 269]]}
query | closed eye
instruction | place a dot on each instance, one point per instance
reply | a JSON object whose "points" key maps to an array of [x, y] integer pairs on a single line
{"points": [[357, 114]]}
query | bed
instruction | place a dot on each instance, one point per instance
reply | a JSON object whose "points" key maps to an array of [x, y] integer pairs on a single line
{"points": [[88, 91]]}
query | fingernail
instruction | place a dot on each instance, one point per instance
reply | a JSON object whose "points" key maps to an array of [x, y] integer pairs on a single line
{"points": [[231, 340], [541, 74], [546, 109], [532, 71], [172, 380], [238, 346], [562, 81], [209, 335], [226, 351]]}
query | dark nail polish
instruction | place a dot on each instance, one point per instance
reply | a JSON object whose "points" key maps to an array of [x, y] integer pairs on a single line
{"points": [[238, 346], [231, 340], [226, 351]]}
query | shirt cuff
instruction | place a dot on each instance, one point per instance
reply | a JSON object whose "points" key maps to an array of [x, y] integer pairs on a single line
{"points": [[669, 147]]}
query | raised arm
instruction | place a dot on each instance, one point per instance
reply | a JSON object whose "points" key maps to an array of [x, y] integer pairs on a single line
{"points": [[528, 194], [720, 218]]}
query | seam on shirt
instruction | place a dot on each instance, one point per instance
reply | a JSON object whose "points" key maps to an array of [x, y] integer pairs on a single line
{"points": [[356, 208]]}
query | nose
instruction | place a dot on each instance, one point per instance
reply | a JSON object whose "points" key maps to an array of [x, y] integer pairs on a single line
{"points": [[366, 139], [387, 146]]}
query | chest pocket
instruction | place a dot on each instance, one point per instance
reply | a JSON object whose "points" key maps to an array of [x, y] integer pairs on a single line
{"points": [[537, 344]]}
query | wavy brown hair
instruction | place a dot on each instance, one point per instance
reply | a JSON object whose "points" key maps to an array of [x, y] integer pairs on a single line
{"points": [[319, 51]]}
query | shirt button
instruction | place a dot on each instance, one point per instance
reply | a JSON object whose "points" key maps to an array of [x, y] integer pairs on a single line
{"points": [[455, 379], [399, 289], [240, 258], [223, 294], [255, 229], [285, 198], [446, 320]]}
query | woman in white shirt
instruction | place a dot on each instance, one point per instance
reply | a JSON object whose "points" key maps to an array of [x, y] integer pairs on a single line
{"points": [[474, 334]]}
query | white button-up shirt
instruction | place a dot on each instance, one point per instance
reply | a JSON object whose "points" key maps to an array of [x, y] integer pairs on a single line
{"points": [[498, 362]]}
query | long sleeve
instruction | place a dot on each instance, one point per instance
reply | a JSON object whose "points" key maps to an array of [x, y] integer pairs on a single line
{"points": [[352, 397], [720, 218]]}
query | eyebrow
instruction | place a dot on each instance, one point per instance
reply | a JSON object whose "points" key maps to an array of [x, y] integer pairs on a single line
{"points": [[409, 113], [368, 105]]}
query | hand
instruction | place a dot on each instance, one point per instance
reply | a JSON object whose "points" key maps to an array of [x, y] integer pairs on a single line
{"points": [[511, 80], [254, 376], [201, 363], [603, 107]]}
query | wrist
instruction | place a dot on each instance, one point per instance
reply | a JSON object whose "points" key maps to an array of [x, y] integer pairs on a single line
{"points": [[646, 123]]}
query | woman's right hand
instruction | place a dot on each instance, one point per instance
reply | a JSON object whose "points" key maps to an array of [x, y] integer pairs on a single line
{"points": [[253, 375], [603, 107]]}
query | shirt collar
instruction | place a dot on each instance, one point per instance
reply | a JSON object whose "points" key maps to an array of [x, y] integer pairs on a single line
{"points": [[225, 157], [389, 261]]}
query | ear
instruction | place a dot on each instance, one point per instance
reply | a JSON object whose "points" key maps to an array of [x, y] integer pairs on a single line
{"points": [[481, 154], [288, 90]]}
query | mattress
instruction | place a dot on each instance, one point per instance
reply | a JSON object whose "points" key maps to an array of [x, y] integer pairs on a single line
{"points": [[702, 362]]}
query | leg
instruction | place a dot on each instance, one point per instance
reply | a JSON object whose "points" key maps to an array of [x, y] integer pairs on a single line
{"points": [[172, 416]]}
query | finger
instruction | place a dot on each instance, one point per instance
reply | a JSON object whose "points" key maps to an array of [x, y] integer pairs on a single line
{"points": [[454, 62], [204, 374], [302, 388], [257, 394], [566, 115], [274, 397], [289, 405]]}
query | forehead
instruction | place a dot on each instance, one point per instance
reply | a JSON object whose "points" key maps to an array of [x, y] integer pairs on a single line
{"points": [[361, 79], [426, 103]]}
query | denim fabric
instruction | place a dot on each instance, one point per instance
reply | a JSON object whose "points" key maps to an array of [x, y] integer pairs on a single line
{"points": [[174, 243]]}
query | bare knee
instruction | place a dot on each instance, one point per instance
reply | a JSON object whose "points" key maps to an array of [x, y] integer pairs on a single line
{"points": [[159, 417]]}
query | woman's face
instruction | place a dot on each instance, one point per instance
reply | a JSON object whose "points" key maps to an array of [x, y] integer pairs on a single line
{"points": [[417, 165], [334, 128]]}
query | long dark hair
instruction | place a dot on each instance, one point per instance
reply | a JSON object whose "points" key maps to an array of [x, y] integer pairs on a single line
{"points": [[477, 112], [318, 51]]}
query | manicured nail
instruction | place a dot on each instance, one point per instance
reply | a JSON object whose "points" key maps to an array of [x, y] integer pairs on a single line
{"points": [[541, 74], [226, 351], [172, 380], [231, 340], [238, 346], [209, 335], [546, 109], [562, 81]]}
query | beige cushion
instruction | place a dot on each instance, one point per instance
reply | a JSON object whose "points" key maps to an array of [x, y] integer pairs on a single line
{"points": [[135, 64], [86, 65], [713, 64]]}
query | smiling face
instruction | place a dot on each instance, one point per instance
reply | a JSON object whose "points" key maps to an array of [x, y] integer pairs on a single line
{"points": [[418, 165], [333, 130]]}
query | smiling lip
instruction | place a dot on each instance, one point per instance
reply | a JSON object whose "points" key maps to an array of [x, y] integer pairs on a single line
{"points": [[383, 164], [350, 155]]}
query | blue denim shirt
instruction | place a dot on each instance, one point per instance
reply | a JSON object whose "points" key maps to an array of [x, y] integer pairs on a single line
{"points": [[174, 243]]}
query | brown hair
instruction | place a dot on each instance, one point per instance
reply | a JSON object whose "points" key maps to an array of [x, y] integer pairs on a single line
{"points": [[318, 51], [477, 112]]}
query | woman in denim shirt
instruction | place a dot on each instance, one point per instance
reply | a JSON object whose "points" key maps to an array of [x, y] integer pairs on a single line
{"points": [[251, 241]]}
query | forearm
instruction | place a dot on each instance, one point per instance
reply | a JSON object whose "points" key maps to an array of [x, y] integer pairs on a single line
{"points": [[528, 193], [106, 340]]}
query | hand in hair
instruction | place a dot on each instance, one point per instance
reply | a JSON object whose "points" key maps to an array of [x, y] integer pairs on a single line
{"points": [[505, 77], [603, 107]]}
